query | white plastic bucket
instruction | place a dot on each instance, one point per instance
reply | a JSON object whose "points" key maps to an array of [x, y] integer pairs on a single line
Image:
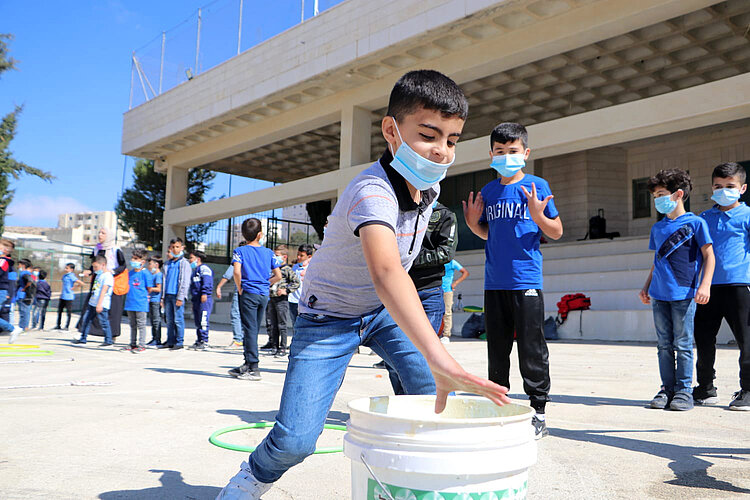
{"points": [[474, 450]]}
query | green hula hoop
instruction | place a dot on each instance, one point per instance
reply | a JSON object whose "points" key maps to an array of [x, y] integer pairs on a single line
{"points": [[21, 352], [214, 439]]}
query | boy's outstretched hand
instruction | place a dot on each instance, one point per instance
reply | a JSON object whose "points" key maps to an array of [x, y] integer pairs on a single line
{"points": [[644, 296], [452, 377], [473, 209], [703, 295], [536, 206]]}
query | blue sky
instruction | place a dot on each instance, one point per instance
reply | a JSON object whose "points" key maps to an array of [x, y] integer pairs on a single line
{"points": [[73, 80]]}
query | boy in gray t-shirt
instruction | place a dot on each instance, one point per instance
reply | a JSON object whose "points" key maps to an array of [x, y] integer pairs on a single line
{"points": [[357, 284]]}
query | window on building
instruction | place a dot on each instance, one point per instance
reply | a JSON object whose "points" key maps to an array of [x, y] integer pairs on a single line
{"points": [[454, 190], [641, 198]]}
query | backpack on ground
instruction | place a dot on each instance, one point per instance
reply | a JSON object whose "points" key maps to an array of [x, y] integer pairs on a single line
{"points": [[473, 327], [571, 302]]}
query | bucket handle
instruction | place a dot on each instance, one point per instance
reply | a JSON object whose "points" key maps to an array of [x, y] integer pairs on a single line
{"points": [[369, 469]]}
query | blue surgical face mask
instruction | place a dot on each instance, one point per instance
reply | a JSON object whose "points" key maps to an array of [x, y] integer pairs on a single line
{"points": [[35, 273], [98, 272], [135, 264], [176, 256], [193, 264], [508, 165], [665, 204], [726, 196], [415, 168]]}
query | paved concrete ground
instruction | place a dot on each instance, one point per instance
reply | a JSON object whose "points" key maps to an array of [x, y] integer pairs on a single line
{"points": [[145, 436]]}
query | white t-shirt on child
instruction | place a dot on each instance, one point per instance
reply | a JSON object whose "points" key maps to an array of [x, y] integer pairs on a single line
{"points": [[105, 278]]}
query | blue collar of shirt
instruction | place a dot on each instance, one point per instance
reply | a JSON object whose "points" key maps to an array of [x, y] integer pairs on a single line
{"points": [[735, 211]]}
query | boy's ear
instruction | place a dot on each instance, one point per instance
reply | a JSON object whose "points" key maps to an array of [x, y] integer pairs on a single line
{"points": [[743, 189], [526, 155], [389, 132]]}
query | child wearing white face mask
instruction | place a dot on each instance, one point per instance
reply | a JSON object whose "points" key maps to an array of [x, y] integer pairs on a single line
{"points": [[729, 226], [682, 253], [512, 213]]}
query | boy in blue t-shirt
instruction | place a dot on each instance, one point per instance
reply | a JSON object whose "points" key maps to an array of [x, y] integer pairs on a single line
{"points": [[253, 264], [136, 302], [512, 213], [154, 299], [683, 251], [65, 303], [448, 286], [729, 227], [201, 296], [99, 303]]}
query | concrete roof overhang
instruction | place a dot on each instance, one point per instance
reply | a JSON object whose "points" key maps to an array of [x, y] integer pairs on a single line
{"points": [[577, 56]]}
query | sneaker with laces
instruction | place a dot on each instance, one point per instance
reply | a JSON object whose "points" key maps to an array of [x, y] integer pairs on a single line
{"points": [[280, 353], [705, 395], [741, 401], [268, 346], [137, 349], [445, 340], [540, 427], [235, 345], [681, 401], [251, 374], [236, 372], [244, 486], [153, 343], [14, 335]]}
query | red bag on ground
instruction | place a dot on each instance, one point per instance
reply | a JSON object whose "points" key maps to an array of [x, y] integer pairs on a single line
{"points": [[572, 302]]}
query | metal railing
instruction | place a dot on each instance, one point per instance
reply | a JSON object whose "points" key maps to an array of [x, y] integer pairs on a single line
{"points": [[215, 33]]}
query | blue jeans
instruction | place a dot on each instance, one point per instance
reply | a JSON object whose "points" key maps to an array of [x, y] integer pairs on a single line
{"points": [[434, 306], [234, 315], [293, 313], [674, 336], [5, 326], [24, 315], [103, 317], [175, 320], [320, 352], [252, 309]]}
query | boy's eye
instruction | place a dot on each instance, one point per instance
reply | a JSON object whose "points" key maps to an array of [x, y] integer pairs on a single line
{"points": [[452, 144], [427, 137]]}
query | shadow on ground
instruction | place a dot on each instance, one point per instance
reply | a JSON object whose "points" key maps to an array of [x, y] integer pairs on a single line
{"points": [[334, 417], [588, 400], [172, 486], [207, 374], [690, 470]]}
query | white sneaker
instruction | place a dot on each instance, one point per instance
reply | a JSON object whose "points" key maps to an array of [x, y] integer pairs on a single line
{"points": [[244, 486], [445, 340], [14, 335]]}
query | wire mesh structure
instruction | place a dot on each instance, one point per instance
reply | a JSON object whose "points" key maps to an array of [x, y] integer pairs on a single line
{"points": [[213, 34]]}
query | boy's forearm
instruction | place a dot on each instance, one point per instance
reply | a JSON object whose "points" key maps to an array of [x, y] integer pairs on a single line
{"points": [[100, 302], [480, 229], [552, 228], [709, 264], [237, 276], [647, 285]]}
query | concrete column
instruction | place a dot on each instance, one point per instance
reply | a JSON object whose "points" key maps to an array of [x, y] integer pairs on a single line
{"points": [[176, 197], [356, 124]]}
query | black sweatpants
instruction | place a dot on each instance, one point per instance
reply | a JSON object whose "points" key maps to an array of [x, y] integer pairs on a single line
{"points": [[522, 312], [64, 305], [730, 302], [277, 321]]}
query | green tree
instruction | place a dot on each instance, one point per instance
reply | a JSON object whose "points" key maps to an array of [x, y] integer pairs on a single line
{"points": [[140, 208], [9, 166]]}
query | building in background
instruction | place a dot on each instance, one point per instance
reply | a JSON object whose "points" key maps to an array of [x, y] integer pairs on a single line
{"points": [[82, 228]]}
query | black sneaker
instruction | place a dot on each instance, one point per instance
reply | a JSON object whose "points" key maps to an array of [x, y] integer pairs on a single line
{"points": [[176, 347], [195, 345], [164, 346], [661, 400], [741, 401], [253, 374], [57, 328], [79, 341], [106, 344], [540, 427], [200, 346], [380, 364], [236, 372], [681, 401], [280, 353], [705, 396], [268, 346], [153, 343]]}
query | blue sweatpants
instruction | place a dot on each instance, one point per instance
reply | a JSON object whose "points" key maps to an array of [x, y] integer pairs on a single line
{"points": [[201, 313]]}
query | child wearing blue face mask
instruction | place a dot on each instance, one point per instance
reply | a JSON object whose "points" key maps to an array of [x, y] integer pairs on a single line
{"points": [[729, 227], [512, 213], [201, 296], [683, 250], [136, 302], [174, 291], [99, 303]]}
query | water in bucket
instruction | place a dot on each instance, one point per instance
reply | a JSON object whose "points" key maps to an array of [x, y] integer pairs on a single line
{"points": [[475, 450]]}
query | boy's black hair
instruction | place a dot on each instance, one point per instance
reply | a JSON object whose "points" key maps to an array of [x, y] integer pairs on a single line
{"points": [[156, 259], [25, 263], [139, 253], [101, 259], [42, 274], [70, 265], [730, 169], [672, 179], [427, 89], [250, 228], [307, 248], [509, 132], [199, 254], [176, 240]]}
